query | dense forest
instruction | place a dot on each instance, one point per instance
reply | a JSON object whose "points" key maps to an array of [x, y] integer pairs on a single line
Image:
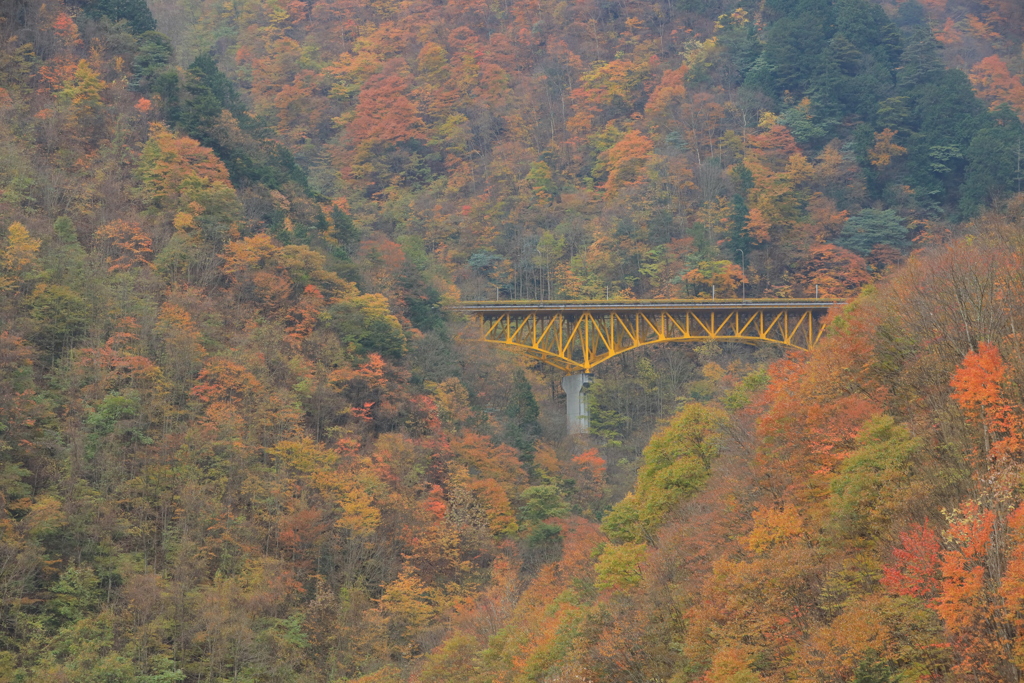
{"points": [[243, 439]]}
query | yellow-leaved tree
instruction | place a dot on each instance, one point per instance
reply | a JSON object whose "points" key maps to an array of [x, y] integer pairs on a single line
{"points": [[19, 260], [188, 185]]}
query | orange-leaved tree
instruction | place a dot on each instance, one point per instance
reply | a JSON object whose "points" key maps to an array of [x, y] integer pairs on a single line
{"points": [[996, 85], [128, 244], [980, 387]]}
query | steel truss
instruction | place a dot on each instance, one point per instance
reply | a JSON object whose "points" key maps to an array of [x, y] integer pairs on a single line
{"points": [[576, 336]]}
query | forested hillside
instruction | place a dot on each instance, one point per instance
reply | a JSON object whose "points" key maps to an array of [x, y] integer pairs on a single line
{"points": [[557, 150], [241, 439]]}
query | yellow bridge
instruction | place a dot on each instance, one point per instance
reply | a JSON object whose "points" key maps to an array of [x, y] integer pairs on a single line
{"points": [[576, 336]]}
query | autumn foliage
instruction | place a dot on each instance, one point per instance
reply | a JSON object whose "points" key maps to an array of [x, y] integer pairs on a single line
{"points": [[241, 437]]}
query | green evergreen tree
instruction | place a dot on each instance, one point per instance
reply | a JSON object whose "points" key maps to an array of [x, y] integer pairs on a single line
{"points": [[209, 92], [345, 230], [255, 159], [863, 231], [867, 28], [911, 15], [892, 113], [152, 56], [738, 238], [760, 77], [523, 417], [135, 12], [995, 160], [829, 85], [65, 230], [947, 115], [920, 61], [793, 47]]}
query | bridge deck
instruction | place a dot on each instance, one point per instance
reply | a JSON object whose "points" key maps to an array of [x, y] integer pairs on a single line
{"points": [[629, 305]]}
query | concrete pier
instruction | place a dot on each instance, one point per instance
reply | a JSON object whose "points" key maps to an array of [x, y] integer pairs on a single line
{"points": [[577, 410]]}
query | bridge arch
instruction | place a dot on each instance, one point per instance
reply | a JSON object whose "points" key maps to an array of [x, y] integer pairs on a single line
{"points": [[576, 336]]}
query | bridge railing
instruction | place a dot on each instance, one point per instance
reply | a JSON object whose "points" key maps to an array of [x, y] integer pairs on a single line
{"points": [[633, 304]]}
